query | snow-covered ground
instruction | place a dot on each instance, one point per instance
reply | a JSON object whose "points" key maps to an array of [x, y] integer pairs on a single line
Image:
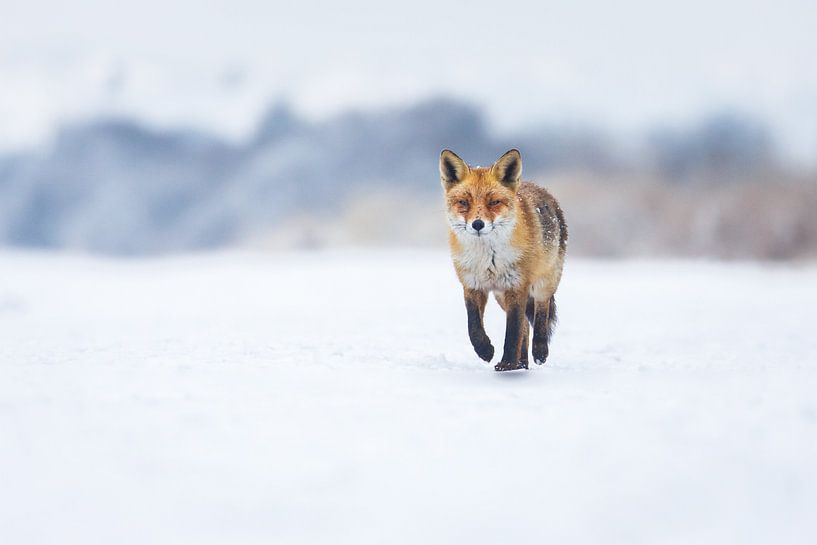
{"points": [[246, 398]]}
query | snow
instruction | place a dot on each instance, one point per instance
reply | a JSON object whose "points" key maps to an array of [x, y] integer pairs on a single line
{"points": [[334, 398]]}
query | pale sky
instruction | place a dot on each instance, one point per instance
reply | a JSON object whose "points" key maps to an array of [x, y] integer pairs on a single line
{"points": [[620, 65]]}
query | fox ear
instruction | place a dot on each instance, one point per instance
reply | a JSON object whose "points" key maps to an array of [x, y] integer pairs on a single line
{"points": [[508, 168], [452, 168]]}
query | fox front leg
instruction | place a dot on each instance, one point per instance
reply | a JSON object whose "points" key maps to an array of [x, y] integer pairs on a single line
{"points": [[515, 331], [475, 305]]}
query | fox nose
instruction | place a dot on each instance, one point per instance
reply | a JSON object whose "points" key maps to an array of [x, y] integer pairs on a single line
{"points": [[478, 225]]}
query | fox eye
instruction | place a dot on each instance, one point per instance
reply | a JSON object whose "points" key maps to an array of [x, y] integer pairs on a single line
{"points": [[462, 202], [494, 202]]}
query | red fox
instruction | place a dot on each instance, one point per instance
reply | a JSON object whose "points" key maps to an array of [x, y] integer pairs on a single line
{"points": [[508, 237]]}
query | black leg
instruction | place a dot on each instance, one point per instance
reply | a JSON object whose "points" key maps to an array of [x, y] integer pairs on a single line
{"points": [[541, 332], [515, 320], [475, 305]]}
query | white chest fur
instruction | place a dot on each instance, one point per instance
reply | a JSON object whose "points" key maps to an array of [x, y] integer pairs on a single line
{"points": [[488, 262]]}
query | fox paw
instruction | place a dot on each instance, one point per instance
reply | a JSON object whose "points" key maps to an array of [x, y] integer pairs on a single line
{"points": [[540, 354], [484, 350], [510, 366]]}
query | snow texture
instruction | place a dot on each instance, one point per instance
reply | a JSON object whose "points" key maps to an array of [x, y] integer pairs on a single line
{"points": [[243, 398]]}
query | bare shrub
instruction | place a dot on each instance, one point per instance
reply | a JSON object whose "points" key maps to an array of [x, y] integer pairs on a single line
{"points": [[620, 215]]}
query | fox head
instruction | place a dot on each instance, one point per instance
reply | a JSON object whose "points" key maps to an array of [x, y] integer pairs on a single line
{"points": [[480, 200]]}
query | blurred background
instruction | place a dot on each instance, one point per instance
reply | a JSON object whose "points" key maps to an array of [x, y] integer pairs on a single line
{"points": [[680, 129]]}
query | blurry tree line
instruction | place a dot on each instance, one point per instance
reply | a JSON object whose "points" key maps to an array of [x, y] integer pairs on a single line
{"points": [[715, 188]]}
